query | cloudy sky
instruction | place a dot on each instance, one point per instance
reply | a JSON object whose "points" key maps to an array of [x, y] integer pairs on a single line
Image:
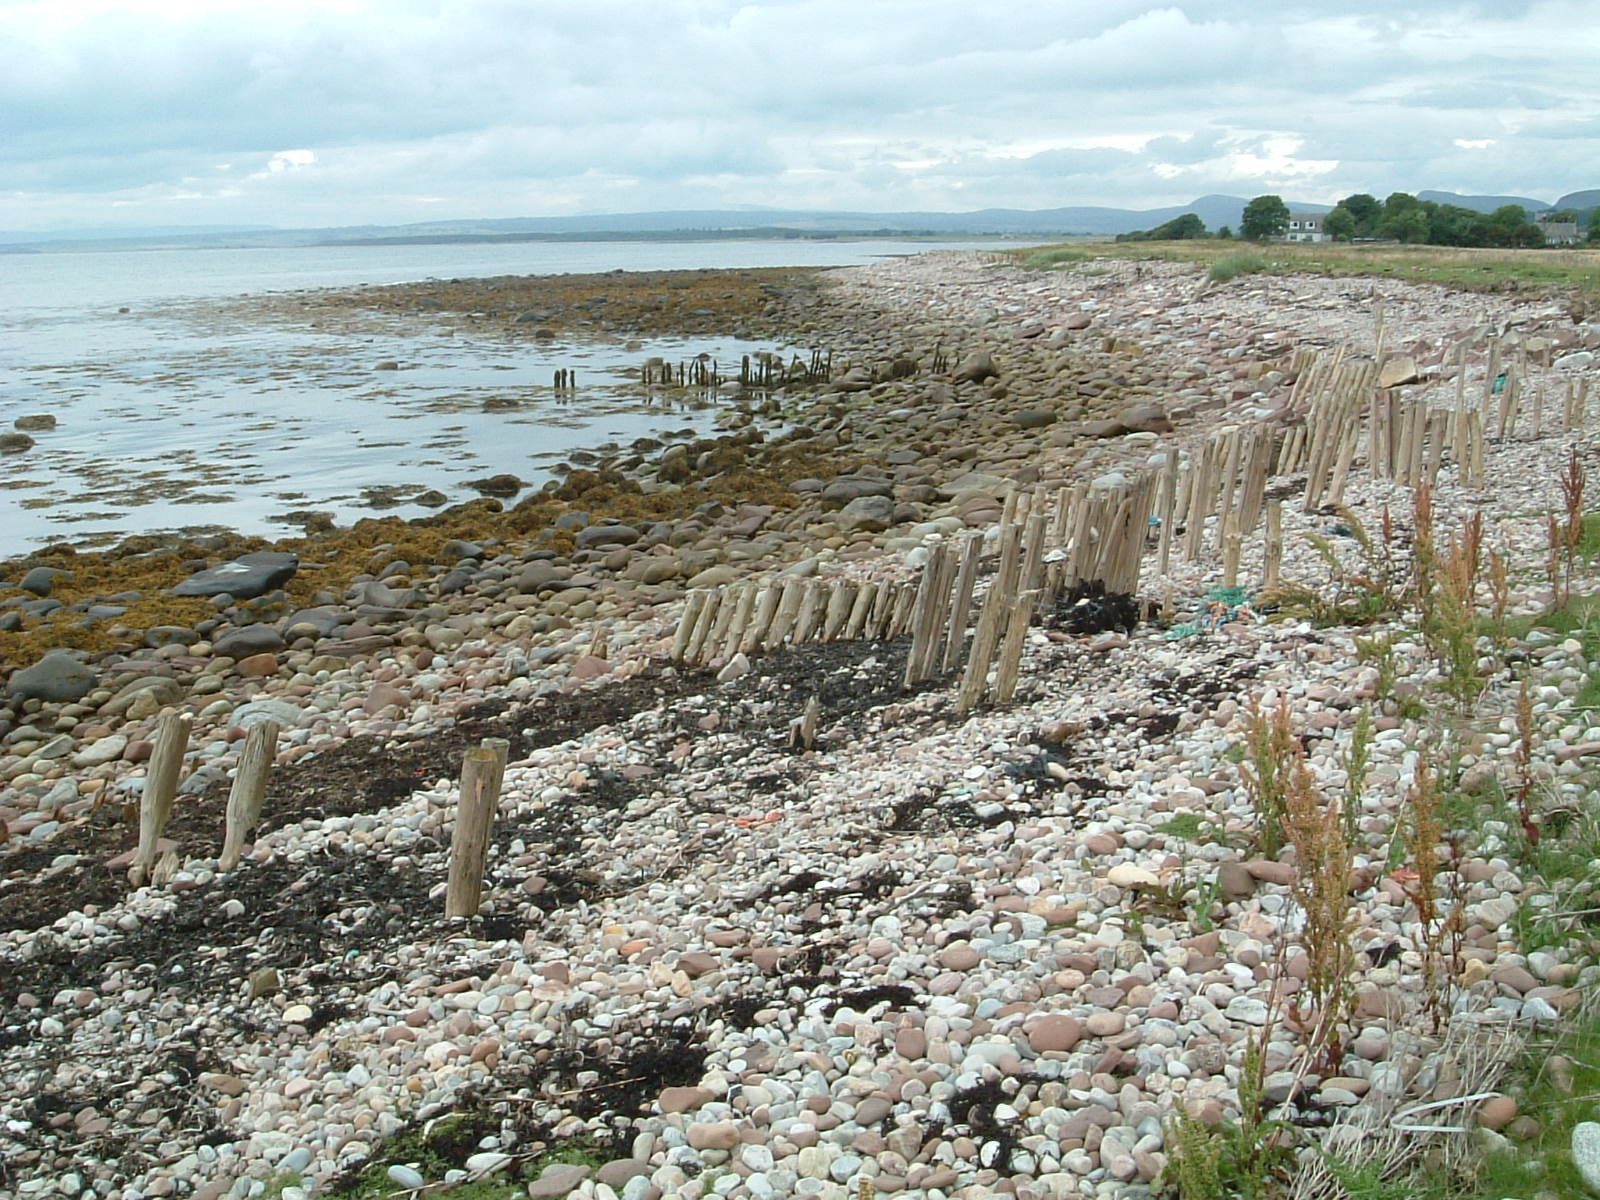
{"points": [[326, 112]]}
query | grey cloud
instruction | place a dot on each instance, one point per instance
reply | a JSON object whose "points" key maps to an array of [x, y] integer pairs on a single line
{"points": [[494, 104]]}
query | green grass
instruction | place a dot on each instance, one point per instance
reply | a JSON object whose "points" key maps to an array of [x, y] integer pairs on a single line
{"points": [[1571, 271], [1056, 256], [1541, 1164], [1231, 266]]}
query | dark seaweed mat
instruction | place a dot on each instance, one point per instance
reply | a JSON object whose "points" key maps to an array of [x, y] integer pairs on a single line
{"points": [[365, 775]]}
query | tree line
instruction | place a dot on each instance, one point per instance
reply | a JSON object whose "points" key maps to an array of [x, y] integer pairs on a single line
{"points": [[1400, 218]]}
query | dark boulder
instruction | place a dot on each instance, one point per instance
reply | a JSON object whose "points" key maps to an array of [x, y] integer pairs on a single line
{"points": [[245, 578]]}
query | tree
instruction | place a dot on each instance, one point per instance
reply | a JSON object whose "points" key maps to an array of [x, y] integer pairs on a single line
{"points": [[1225, 234], [1366, 210], [1408, 225], [1452, 225], [1179, 228], [1340, 224], [1264, 217], [1594, 228]]}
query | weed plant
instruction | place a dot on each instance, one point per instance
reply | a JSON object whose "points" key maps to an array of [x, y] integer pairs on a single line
{"points": [[1270, 750], [1324, 853], [1248, 1158], [1446, 591], [1354, 596]]}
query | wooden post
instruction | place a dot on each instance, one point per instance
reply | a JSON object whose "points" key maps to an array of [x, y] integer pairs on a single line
{"points": [[927, 611], [803, 729], [840, 605], [812, 605], [991, 621], [1005, 683], [686, 623], [249, 787], [788, 609], [856, 626], [160, 786], [702, 627], [755, 636], [483, 770], [1031, 574], [1490, 372], [1232, 543], [741, 620], [955, 636], [882, 611], [905, 601], [1272, 558], [1169, 508], [726, 611]]}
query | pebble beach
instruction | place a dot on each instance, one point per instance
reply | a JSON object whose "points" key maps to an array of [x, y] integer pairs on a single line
{"points": [[936, 954]]}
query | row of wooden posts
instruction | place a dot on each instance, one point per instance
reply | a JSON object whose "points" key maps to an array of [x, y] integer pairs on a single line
{"points": [[1100, 535], [1051, 542], [482, 775], [763, 370]]}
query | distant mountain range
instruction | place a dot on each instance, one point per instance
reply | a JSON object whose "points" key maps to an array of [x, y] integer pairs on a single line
{"points": [[1215, 210]]}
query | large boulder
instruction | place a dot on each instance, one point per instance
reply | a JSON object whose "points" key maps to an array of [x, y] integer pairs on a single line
{"points": [[58, 677], [852, 487], [251, 639], [287, 715], [606, 535], [866, 514], [1398, 369], [976, 367], [40, 580], [246, 577]]}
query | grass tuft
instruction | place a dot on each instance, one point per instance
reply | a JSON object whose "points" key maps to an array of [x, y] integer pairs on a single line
{"points": [[1231, 266]]}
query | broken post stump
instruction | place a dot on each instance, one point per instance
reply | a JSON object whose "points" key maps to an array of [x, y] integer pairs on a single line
{"points": [[482, 772], [249, 787], [160, 786]]}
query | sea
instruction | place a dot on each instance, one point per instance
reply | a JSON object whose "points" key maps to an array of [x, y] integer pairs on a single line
{"points": [[171, 419]]}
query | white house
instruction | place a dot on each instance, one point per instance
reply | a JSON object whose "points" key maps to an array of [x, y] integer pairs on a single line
{"points": [[1305, 227]]}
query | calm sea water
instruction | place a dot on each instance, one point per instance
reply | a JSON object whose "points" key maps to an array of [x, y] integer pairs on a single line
{"points": [[169, 419]]}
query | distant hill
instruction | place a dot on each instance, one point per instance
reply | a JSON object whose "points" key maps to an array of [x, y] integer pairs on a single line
{"points": [[1094, 220], [1583, 203], [1587, 199], [1214, 210], [1483, 204]]}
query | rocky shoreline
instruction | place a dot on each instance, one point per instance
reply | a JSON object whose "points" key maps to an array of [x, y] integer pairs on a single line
{"points": [[931, 954]]}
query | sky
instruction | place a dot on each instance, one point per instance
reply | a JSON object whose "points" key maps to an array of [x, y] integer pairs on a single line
{"points": [[304, 113]]}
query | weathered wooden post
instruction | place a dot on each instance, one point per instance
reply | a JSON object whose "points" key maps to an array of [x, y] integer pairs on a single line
{"points": [[803, 729], [1016, 635], [686, 624], [1272, 558], [249, 788], [482, 772], [160, 786], [1232, 544], [955, 634]]}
